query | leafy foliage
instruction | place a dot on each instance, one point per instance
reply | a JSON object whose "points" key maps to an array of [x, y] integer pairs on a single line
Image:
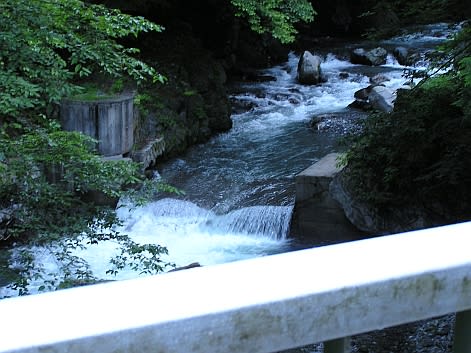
{"points": [[275, 16], [46, 177], [420, 153], [47, 44]]}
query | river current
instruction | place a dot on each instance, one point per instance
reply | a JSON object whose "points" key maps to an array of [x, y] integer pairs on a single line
{"points": [[239, 187]]}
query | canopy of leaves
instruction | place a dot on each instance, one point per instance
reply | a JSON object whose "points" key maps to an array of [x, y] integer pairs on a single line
{"points": [[275, 16], [46, 44], [43, 172], [47, 175]]}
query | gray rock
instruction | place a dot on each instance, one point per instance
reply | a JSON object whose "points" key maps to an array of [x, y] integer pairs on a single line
{"points": [[373, 57], [371, 220], [402, 55], [374, 97], [309, 69], [382, 98], [378, 79], [363, 94]]}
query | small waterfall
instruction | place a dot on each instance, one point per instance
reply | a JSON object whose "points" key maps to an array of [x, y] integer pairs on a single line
{"points": [[266, 221]]}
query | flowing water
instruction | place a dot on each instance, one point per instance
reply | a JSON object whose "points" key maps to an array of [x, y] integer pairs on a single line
{"points": [[239, 187]]}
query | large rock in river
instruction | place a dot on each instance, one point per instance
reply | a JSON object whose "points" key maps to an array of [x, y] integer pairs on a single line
{"points": [[375, 97], [382, 98], [402, 55], [373, 57], [372, 220], [309, 69]]}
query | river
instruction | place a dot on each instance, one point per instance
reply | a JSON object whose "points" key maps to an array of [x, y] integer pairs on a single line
{"points": [[239, 187]]}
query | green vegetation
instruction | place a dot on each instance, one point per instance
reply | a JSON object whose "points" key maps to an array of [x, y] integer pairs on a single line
{"points": [[48, 45], [275, 16], [419, 155], [47, 175], [47, 179]]}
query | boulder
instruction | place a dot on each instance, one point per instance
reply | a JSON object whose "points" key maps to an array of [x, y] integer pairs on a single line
{"points": [[371, 220], [373, 57], [363, 94], [402, 55], [309, 69], [375, 97], [382, 98], [379, 79]]}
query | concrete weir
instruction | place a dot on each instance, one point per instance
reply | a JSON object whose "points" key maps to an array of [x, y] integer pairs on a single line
{"points": [[316, 214]]}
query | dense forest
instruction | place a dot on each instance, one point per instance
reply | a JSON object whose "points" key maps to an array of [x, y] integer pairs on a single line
{"points": [[178, 56]]}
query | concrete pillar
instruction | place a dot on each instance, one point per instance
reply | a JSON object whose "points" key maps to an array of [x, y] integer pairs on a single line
{"points": [[340, 345], [462, 340]]}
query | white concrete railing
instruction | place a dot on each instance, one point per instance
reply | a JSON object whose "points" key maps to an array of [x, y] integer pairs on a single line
{"points": [[260, 305]]}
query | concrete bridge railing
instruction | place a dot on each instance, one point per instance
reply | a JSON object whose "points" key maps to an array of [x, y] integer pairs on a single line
{"points": [[260, 305]]}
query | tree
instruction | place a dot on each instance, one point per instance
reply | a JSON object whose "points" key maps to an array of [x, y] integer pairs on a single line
{"points": [[275, 16], [47, 47]]}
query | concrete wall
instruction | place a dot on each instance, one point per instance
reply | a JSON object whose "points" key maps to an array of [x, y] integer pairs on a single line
{"points": [[316, 214], [110, 121]]}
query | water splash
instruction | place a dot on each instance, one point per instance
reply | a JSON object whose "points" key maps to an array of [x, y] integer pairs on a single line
{"points": [[259, 221]]}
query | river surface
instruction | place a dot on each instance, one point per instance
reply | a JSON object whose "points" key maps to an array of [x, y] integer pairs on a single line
{"points": [[239, 187]]}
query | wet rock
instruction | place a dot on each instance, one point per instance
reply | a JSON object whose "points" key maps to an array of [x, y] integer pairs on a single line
{"points": [[382, 98], [250, 75], [376, 221], [373, 57], [192, 265], [379, 79], [240, 106], [309, 69], [344, 75], [363, 94], [375, 97], [360, 105], [402, 55]]}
